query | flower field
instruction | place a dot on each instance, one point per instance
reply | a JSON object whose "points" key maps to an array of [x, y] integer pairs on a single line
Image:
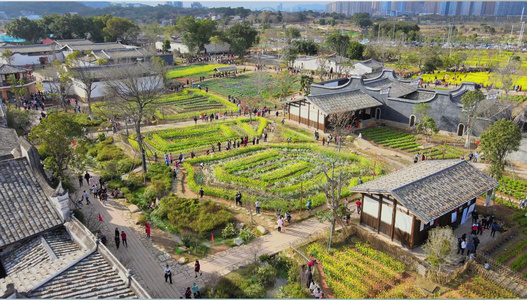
{"points": [[273, 174], [200, 137], [404, 141], [190, 103], [363, 272], [478, 77], [193, 71], [481, 288]]}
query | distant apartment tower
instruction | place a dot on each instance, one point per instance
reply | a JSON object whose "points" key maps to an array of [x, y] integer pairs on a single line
{"points": [[279, 7], [349, 8], [175, 3], [196, 5]]}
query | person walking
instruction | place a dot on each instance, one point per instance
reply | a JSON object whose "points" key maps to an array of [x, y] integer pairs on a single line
{"points": [[257, 205], [147, 229], [87, 196], [238, 199], [201, 192], [470, 247], [168, 274], [195, 291], [494, 229], [87, 177], [459, 240], [279, 224], [123, 237], [359, 204], [197, 269], [463, 246], [81, 180], [188, 293]]}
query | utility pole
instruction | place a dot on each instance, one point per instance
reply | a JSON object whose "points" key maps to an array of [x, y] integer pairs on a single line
{"points": [[520, 39], [379, 33], [521, 19], [394, 31], [512, 30]]}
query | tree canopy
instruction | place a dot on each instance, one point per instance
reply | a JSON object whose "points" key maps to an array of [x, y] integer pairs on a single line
{"points": [[195, 34], [338, 43], [502, 138], [241, 36], [55, 134], [355, 50]]}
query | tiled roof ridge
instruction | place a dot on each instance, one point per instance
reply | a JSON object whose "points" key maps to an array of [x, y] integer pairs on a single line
{"points": [[335, 93]]}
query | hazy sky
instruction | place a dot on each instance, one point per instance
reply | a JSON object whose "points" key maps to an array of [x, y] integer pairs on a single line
{"points": [[237, 3]]}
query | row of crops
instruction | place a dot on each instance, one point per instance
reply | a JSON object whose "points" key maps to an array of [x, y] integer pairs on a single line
{"points": [[280, 176], [404, 141], [512, 187]]}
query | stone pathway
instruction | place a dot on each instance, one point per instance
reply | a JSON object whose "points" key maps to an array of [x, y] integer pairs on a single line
{"points": [[148, 262]]}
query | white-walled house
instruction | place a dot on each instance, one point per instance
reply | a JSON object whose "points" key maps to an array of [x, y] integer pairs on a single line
{"points": [[181, 48], [100, 79], [24, 55]]}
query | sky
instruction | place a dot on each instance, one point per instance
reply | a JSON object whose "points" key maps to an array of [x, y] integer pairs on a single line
{"points": [[237, 3]]}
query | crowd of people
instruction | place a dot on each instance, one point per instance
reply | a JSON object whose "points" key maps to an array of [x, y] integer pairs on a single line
{"points": [[471, 242]]}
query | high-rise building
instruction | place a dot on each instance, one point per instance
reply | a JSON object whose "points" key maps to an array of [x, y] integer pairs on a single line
{"points": [[279, 7], [196, 5]]}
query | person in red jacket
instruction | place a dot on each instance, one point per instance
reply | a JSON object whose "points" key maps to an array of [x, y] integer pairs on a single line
{"points": [[358, 206], [123, 237], [147, 229]]}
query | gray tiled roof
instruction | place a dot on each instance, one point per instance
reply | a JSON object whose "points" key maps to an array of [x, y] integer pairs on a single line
{"points": [[343, 101], [6, 69], [63, 43], [8, 141], [29, 48], [397, 89], [96, 46], [432, 188], [92, 277], [122, 53], [372, 63], [226, 69], [24, 208]]}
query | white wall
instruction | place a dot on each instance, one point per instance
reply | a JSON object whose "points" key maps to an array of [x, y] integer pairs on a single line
{"points": [[312, 63], [312, 112], [24, 59], [177, 46], [98, 91]]}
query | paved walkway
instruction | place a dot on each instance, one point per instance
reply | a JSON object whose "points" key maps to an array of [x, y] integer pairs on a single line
{"points": [[148, 262]]}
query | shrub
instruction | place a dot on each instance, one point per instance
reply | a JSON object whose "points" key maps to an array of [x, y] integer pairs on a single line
{"points": [[190, 241], [109, 152], [102, 136], [142, 219], [254, 290], [350, 139], [229, 231], [247, 235], [266, 275], [192, 215], [150, 194]]}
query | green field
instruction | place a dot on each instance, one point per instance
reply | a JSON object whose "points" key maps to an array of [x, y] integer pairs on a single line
{"points": [[193, 71], [248, 87], [274, 174]]}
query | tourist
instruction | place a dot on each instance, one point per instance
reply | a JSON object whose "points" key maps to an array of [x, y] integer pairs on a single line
{"points": [[323, 141], [197, 269], [308, 204], [219, 147], [117, 238], [476, 243], [81, 180], [480, 228], [416, 158], [167, 162], [171, 157], [311, 264], [283, 222], [257, 205], [463, 246], [474, 228], [168, 274], [123, 237], [317, 293], [322, 296], [195, 291], [87, 196], [147, 229], [238, 199], [474, 216], [310, 283], [476, 155], [279, 224], [359, 204], [155, 156], [201, 192], [87, 177], [470, 247], [494, 229], [188, 293], [459, 241]]}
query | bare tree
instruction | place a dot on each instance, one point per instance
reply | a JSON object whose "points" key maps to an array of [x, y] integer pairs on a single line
{"points": [[339, 121], [59, 81], [83, 76], [506, 75], [439, 249], [134, 89], [255, 247]]}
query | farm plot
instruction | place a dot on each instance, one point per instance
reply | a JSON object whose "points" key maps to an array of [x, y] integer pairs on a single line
{"points": [[274, 174], [201, 137], [193, 71], [248, 87], [513, 188], [512, 252], [363, 272], [403, 141], [481, 288], [191, 103]]}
